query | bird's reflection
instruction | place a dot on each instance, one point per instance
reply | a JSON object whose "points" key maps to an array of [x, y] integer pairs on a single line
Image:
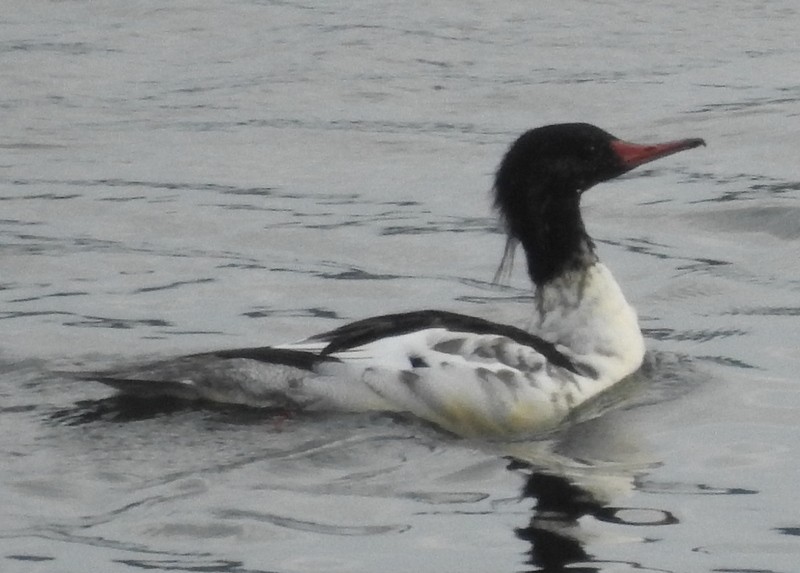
{"points": [[559, 505], [578, 475], [557, 541]]}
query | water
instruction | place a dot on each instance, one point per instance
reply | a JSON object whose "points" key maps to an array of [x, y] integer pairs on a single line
{"points": [[182, 177]]}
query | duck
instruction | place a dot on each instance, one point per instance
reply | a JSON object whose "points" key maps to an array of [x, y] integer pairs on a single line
{"points": [[465, 374]]}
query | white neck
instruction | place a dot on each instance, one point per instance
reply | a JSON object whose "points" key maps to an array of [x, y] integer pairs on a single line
{"points": [[586, 315]]}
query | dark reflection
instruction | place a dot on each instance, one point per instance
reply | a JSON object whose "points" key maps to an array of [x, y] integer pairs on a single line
{"points": [[117, 408], [554, 531], [559, 504], [122, 408], [554, 552]]}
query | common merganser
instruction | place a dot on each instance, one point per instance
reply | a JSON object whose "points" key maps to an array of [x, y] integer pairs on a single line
{"points": [[468, 375]]}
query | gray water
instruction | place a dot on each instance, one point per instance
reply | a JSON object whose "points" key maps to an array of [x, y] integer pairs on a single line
{"points": [[184, 176]]}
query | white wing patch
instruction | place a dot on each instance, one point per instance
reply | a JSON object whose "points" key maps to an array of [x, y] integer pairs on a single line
{"points": [[470, 384]]}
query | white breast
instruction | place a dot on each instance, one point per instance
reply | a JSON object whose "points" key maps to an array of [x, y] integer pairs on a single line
{"points": [[586, 315]]}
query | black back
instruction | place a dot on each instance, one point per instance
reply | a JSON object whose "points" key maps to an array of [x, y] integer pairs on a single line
{"points": [[372, 329]]}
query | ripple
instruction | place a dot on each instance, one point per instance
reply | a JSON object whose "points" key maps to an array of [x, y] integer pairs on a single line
{"points": [[678, 488], [310, 312], [356, 274], [116, 323], [636, 516], [174, 285], [29, 558], [704, 335], [746, 188], [767, 311], [189, 564], [311, 526], [781, 221]]}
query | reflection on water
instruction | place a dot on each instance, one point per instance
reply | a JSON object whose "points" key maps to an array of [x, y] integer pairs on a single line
{"points": [[557, 542]]}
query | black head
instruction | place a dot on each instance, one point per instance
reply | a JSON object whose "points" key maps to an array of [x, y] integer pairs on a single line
{"points": [[540, 181]]}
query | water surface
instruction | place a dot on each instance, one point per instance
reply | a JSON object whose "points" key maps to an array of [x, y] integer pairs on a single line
{"points": [[182, 177]]}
